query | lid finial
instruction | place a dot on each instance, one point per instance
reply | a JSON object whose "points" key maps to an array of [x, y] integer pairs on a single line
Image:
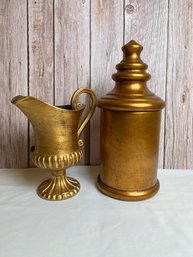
{"points": [[131, 68]]}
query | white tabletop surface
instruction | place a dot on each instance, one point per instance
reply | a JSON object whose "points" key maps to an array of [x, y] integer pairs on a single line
{"points": [[91, 224]]}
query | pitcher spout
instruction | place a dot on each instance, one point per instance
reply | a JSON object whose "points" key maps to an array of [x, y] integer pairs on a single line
{"points": [[32, 107], [50, 123], [37, 110], [17, 98]]}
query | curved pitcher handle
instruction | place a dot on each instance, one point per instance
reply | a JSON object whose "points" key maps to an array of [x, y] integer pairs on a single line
{"points": [[75, 104]]}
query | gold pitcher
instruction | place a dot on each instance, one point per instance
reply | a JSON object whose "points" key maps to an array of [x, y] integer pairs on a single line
{"points": [[57, 140], [130, 127]]}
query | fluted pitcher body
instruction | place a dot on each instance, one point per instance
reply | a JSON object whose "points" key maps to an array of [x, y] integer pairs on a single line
{"points": [[57, 140]]}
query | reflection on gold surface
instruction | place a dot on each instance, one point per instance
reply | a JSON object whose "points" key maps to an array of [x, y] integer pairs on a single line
{"points": [[57, 142], [130, 128]]}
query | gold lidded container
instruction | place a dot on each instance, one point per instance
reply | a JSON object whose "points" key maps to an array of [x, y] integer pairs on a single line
{"points": [[130, 128]]}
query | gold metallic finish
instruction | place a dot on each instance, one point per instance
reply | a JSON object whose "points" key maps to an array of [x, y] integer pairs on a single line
{"points": [[59, 187], [56, 162], [125, 194], [57, 142], [130, 128], [77, 105]]}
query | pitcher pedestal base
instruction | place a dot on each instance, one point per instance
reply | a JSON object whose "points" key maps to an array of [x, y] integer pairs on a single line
{"points": [[58, 188], [127, 195]]}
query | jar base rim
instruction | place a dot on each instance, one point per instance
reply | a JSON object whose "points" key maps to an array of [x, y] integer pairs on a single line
{"points": [[127, 195]]}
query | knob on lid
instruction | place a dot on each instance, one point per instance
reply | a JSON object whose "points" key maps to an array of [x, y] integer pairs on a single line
{"points": [[131, 68], [130, 92]]}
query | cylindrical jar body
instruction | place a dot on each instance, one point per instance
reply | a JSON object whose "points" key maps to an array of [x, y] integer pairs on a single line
{"points": [[129, 149]]}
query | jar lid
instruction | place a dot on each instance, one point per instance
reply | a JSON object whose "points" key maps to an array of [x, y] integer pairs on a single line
{"points": [[131, 92]]}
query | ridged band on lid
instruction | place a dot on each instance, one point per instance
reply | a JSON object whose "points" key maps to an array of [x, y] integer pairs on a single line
{"points": [[131, 92]]}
